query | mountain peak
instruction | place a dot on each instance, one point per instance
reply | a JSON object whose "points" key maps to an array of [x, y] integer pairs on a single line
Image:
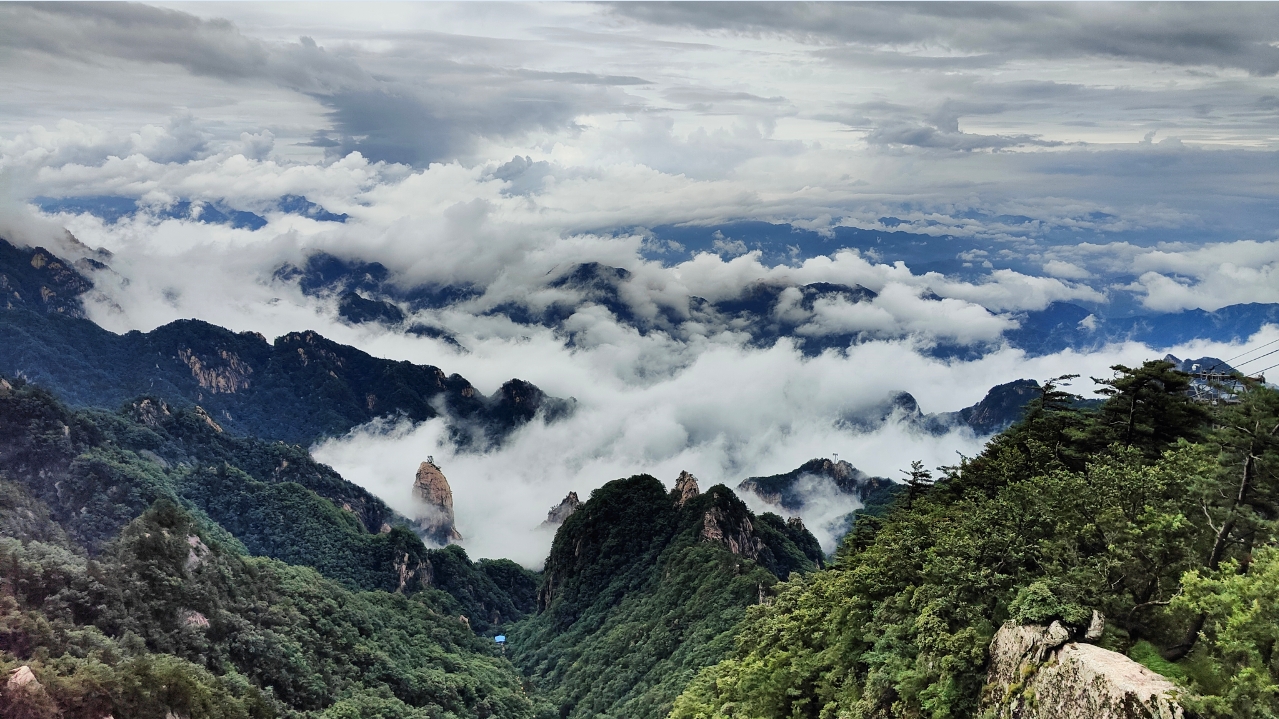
{"points": [[432, 490], [685, 488]]}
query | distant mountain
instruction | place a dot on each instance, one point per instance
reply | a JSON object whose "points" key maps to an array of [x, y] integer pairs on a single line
{"points": [[786, 490], [299, 388], [37, 280], [1002, 406], [831, 493], [643, 587], [113, 208], [766, 310], [1063, 326]]}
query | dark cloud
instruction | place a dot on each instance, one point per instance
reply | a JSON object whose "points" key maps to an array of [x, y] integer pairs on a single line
{"points": [[1225, 35], [949, 138], [705, 94], [428, 108]]}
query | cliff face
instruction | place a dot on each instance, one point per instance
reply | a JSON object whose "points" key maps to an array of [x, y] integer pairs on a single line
{"points": [[685, 488], [1037, 673], [562, 511], [435, 521], [37, 280]]}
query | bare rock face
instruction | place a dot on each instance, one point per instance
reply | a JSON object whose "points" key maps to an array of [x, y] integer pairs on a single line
{"points": [[23, 676], [562, 511], [738, 536], [1035, 673], [435, 520], [413, 575], [685, 488]]}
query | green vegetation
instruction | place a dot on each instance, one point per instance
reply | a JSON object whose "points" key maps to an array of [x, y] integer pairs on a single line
{"points": [[1147, 509], [125, 585], [639, 593], [165, 621], [95, 471]]}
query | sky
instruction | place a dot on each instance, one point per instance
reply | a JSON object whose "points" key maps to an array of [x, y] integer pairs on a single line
{"points": [[968, 163]]}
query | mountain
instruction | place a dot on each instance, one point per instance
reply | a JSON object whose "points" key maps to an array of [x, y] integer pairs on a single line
{"points": [[95, 471], [643, 587], [766, 310], [1063, 325], [299, 388], [127, 585], [1002, 406], [37, 280], [788, 490], [1043, 541]]}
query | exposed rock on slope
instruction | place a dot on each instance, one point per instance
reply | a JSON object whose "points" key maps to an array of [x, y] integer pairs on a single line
{"points": [[685, 488], [435, 522], [562, 511], [35, 279], [642, 592], [1036, 673]]}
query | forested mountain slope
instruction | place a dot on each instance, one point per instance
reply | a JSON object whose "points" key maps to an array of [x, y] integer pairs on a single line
{"points": [[643, 587], [94, 471], [299, 388], [126, 587], [1150, 509]]}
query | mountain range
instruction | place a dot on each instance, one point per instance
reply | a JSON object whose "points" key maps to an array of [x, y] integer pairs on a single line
{"points": [[298, 388], [370, 292]]}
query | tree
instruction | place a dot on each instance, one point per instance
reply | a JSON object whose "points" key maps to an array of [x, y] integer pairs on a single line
{"points": [[918, 479], [1147, 407]]}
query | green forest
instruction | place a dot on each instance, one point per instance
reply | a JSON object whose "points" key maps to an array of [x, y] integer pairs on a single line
{"points": [[1157, 511], [156, 565]]}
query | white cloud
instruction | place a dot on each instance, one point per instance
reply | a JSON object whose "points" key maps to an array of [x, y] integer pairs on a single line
{"points": [[624, 125]]}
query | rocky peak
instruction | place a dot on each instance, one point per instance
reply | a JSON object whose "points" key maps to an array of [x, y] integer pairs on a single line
{"points": [[563, 510], [685, 488], [733, 530], [149, 412], [431, 489], [1037, 673]]}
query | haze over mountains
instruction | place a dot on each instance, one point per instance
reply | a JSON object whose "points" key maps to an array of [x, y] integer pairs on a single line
{"points": [[719, 268], [723, 359]]}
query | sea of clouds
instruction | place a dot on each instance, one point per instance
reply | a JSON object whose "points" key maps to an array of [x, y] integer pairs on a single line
{"points": [[498, 150]]}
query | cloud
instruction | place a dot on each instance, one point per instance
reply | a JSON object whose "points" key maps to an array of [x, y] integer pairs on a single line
{"points": [[967, 163], [1066, 270], [433, 110], [1241, 37]]}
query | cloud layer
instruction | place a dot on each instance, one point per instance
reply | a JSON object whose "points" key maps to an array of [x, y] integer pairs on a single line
{"points": [[729, 230]]}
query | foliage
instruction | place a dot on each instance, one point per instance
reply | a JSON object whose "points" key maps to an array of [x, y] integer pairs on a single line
{"points": [[91, 472], [636, 598], [1069, 511], [299, 388], [163, 621], [1237, 674]]}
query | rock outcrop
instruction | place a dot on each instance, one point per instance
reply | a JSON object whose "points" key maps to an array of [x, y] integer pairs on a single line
{"points": [[434, 521], [562, 511], [685, 488], [735, 533], [1036, 672], [22, 676]]}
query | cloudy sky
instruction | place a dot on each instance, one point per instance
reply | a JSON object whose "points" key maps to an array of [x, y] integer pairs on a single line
{"points": [[966, 162]]}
